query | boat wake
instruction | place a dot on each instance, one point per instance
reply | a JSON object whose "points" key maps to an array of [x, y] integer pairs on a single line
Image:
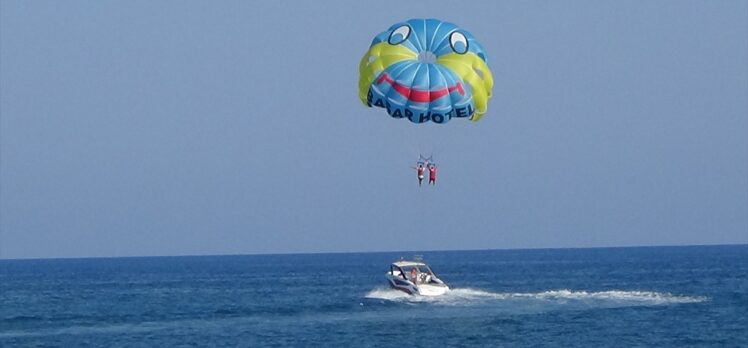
{"points": [[576, 299]]}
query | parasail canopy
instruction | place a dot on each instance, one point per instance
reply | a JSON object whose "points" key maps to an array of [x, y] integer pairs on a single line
{"points": [[426, 70]]}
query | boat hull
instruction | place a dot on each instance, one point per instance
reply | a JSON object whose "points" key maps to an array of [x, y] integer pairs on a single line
{"points": [[417, 289]]}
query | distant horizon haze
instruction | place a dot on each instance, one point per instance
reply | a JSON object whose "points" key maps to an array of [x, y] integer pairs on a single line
{"points": [[407, 254]]}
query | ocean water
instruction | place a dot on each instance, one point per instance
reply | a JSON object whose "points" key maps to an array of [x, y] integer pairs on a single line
{"points": [[619, 297]]}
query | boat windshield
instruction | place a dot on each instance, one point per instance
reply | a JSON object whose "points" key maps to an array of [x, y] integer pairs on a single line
{"points": [[419, 269]]}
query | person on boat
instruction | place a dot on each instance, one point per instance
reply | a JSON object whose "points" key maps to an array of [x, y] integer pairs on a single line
{"points": [[432, 174], [414, 274]]}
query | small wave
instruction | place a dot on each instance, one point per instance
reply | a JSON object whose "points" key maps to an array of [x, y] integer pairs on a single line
{"points": [[609, 298], [21, 318]]}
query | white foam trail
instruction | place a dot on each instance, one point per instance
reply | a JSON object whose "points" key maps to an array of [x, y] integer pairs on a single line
{"points": [[387, 294], [452, 297], [609, 298], [644, 297]]}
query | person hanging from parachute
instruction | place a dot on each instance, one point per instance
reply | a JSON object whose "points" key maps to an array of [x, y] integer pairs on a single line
{"points": [[419, 171], [426, 70], [432, 174]]}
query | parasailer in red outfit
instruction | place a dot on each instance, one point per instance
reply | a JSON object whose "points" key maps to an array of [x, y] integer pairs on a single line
{"points": [[432, 174], [419, 171]]}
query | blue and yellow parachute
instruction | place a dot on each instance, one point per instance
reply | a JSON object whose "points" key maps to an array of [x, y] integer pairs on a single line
{"points": [[426, 70]]}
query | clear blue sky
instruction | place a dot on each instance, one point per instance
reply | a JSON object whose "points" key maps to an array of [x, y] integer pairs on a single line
{"points": [[234, 127]]}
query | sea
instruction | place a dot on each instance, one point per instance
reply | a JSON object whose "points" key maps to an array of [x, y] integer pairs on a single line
{"points": [[692, 296]]}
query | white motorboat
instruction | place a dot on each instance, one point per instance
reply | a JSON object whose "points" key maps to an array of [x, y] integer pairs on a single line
{"points": [[415, 278]]}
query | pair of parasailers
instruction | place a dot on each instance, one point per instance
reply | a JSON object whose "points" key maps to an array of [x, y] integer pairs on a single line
{"points": [[432, 173]]}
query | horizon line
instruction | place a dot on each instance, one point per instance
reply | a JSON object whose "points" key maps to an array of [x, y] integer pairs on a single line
{"points": [[368, 252]]}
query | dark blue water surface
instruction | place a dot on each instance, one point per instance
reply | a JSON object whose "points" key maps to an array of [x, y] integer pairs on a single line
{"points": [[655, 296]]}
